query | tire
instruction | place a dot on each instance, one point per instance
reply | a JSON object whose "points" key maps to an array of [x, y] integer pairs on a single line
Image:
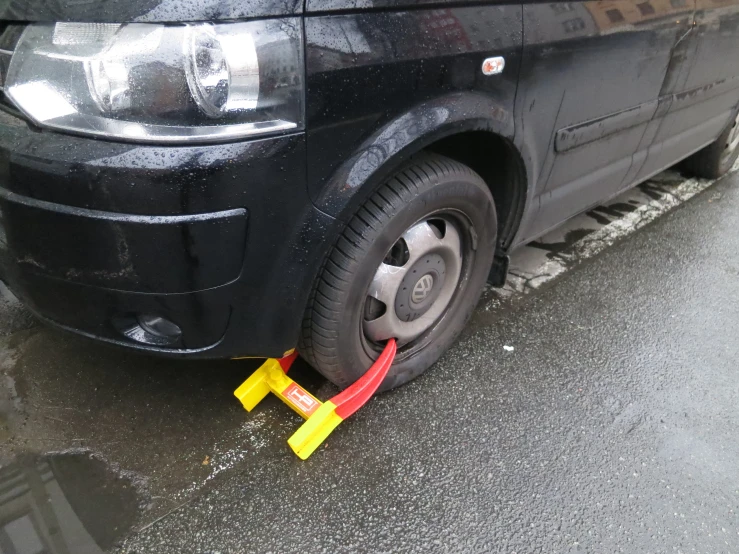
{"points": [[718, 157], [342, 333]]}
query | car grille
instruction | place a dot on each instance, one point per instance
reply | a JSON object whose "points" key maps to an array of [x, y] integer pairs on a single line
{"points": [[10, 33]]}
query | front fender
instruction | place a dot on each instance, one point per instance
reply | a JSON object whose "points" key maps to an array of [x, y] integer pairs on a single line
{"points": [[388, 147]]}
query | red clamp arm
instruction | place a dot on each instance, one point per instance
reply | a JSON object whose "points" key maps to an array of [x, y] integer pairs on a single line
{"points": [[355, 396], [287, 361]]}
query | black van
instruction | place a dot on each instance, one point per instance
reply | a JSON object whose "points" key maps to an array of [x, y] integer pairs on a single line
{"points": [[226, 178]]}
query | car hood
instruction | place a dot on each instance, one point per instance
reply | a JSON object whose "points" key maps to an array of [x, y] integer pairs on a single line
{"points": [[125, 11]]}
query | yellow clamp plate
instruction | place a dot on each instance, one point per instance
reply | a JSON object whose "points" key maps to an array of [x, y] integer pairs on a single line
{"points": [[270, 377]]}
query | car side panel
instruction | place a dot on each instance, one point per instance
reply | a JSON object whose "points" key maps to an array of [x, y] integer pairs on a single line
{"points": [[381, 85], [590, 82], [653, 154], [717, 46], [712, 89]]}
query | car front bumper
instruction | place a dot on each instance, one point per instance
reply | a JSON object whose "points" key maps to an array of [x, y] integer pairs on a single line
{"points": [[222, 240]]}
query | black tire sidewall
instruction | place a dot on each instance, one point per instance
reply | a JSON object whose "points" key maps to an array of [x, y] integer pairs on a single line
{"points": [[725, 163], [468, 196], [710, 162]]}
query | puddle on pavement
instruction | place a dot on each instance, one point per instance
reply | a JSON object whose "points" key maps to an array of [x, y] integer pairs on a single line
{"points": [[67, 503]]}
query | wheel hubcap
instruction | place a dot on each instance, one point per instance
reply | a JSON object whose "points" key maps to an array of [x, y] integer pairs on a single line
{"points": [[416, 295], [415, 283], [422, 289]]}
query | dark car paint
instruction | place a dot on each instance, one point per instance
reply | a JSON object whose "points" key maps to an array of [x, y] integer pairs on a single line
{"points": [[588, 106], [618, 70], [432, 87], [85, 276], [611, 100]]}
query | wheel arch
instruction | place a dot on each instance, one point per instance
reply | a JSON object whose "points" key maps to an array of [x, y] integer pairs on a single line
{"points": [[470, 128], [497, 161]]}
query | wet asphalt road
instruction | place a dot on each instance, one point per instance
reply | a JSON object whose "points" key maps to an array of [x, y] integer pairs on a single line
{"points": [[611, 426]]}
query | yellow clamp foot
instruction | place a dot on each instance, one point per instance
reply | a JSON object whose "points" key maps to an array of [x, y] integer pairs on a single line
{"points": [[315, 430]]}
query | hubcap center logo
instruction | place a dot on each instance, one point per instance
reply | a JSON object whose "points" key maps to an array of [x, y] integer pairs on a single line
{"points": [[422, 288]]}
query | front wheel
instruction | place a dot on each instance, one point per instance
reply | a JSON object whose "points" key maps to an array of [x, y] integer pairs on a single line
{"points": [[410, 265]]}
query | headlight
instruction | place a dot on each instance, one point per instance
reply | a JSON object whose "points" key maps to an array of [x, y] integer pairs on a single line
{"points": [[161, 83]]}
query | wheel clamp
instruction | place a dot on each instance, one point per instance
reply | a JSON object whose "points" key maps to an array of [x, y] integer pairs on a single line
{"points": [[321, 417]]}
